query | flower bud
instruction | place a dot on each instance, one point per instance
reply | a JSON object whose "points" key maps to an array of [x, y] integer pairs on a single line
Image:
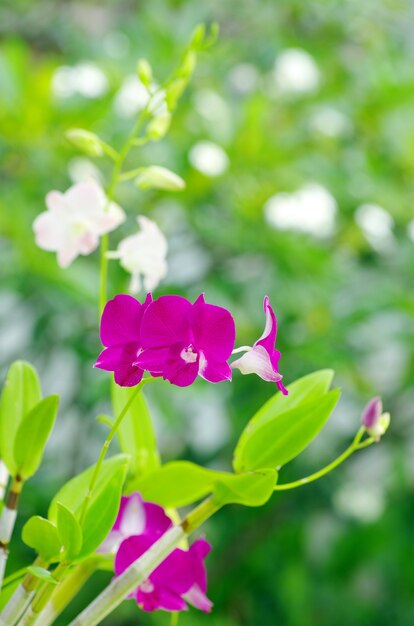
{"points": [[144, 72], [375, 421], [156, 177], [86, 141], [159, 125]]}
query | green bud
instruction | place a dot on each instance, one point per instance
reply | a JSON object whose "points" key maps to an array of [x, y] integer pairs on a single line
{"points": [[86, 141], [380, 427], [144, 72], [197, 37], [174, 91], [159, 125], [157, 177], [187, 65]]}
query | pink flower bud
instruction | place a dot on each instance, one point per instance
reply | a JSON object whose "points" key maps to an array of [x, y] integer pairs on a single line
{"points": [[372, 413]]}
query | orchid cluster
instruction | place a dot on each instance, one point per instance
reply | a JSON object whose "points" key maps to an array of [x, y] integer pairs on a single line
{"points": [[124, 513], [172, 338]]}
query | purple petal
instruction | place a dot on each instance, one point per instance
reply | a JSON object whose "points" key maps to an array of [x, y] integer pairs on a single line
{"points": [[174, 573], [198, 551], [178, 371], [156, 521], [153, 359], [128, 376], [162, 599], [372, 412], [166, 322], [121, 321], [268, 338], [214, 371], [121, 361], [130, 550], [214, 330], [109, 359]]}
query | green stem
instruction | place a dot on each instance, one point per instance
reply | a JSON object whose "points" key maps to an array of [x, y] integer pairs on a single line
{"points": [[119, 160], [106, 445], [355, 445]]}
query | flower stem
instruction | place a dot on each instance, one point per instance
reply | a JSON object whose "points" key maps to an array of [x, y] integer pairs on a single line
{"points": [[137, 572], [4, 479], [119, 160], [355, 445], [106, 445], [22, 597], [7, 521]]}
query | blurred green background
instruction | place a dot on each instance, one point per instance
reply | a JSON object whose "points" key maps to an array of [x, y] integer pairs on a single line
{"points": [[305, 192]]}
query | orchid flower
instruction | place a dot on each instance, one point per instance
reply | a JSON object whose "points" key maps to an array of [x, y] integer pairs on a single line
{"points": [[180, 578], [181, 340], [135, 517], [121, 334], [262, 358], [143, 254], [75, 220]]}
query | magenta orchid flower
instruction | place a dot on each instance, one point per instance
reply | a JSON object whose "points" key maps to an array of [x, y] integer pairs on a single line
{"points": [[181, 340], [180, 579], [75, 220], [263, 359], [136, 517], [121, 334]]}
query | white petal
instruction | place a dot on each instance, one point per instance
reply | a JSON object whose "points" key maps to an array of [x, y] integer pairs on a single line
{"points": [[67, 253], [86, 198], [257, 361], [133, 519], [107, 220], [55, 202], [50, 231]]}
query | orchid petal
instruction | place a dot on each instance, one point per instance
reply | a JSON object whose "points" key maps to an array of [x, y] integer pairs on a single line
{"points": [[166, 322], [178, 371], [257, 361], [214, 330], [121, 321], [198, 598], [214, 371]]}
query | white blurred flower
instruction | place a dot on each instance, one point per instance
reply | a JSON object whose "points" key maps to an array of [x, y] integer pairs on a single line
{"points": [[311, 209], [244, 78], [85, 79], [376, 224], [143, 254], [208, 158], [295, 71], [330, 122], [75, 220]]}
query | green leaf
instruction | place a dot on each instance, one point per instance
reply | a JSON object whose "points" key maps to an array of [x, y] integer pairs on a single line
{"points": [[32, 435], [136, 433], [69, 531], [21, 392], [41, 535], [277, 441], [302, 390], [102, 511], [73, 493], [43, 574], [251, 489], [180, 483], [157, 177]]}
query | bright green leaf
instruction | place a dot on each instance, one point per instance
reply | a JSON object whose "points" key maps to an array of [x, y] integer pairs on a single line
{"points": [[69, 531], [102, 511], [21, 392], [73, 493], [43, 574], [41, 535], [276, 441], [32, 435], [136, 433], [180, 483]]}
